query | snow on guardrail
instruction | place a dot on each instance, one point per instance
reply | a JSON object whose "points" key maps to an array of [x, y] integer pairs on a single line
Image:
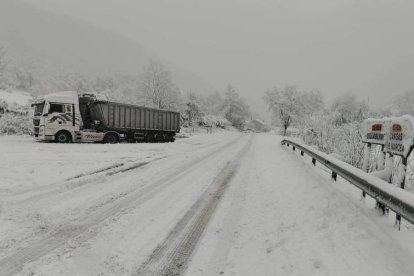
{"points": [[397, 199]]}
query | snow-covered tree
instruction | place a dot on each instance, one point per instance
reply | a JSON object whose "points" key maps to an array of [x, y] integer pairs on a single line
{"points": [[193, 111], [313, 105], [212, 103], [285, 104], [3, 65], [157, 85], [120, 87], [403, 104], [312, 102], [379, 113], [106, 84], [73, 81], [348, 109], [234, 108], [24, 75], [173, 100]]}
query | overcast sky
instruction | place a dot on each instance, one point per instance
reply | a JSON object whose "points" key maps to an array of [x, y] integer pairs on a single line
{"points": [[364, 47]]}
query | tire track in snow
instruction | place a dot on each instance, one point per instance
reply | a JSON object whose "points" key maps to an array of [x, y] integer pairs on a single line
{"points": [[80, 180], [81, 175], [79, 230], [227, 233], [72, 184], [172, 255]]}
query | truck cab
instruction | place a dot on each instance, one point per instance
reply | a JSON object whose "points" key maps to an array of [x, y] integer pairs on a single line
{"points": [[57, 117]]}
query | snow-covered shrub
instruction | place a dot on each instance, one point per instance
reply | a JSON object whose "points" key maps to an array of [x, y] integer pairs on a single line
{"points": [[320, 131], [348, 144], [11, 123], [3, 106], [329, 137]]}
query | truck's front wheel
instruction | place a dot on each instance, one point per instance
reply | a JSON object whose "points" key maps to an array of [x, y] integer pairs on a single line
{"points": [[63, 137]]}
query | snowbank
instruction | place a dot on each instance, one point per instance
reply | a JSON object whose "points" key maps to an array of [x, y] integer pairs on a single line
{"points": [[376, 184]]}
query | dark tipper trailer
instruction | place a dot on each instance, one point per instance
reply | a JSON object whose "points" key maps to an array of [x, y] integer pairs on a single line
{"points": [[134, 123]]}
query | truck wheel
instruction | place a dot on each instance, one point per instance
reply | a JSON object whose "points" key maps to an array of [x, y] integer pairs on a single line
{"points": [[111, 138], [169, 138], [159, 138], [63, 137], [149, 138]]}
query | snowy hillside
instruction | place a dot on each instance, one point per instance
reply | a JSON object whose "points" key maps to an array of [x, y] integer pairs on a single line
{"points": [[61, 43], [15, 99]]}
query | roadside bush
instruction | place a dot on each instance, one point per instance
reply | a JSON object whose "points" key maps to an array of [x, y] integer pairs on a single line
{"points": [[12, 124], [349, 144], [238, 122], [344, 140]]}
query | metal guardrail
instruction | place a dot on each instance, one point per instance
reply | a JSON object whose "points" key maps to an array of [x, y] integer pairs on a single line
{"points": [[398, 200]]}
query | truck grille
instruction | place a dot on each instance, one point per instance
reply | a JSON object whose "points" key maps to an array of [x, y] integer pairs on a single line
{"points": [[36, 122]]}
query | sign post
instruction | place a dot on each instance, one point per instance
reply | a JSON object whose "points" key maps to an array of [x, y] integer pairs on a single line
{"points": [[373, 133], [400, 142]]}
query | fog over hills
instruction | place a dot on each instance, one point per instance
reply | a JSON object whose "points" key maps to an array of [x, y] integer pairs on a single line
{"points": [[361, 47], [63, 42]]}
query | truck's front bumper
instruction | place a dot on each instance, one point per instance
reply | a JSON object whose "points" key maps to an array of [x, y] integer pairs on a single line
{"points": [[39, 134], [45, 138]]}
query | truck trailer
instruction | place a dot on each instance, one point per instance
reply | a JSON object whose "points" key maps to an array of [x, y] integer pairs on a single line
{"points": [[70, 116]]}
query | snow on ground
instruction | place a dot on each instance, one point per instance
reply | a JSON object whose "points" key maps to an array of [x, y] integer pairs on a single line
{"points": [[47, 186], [30, 164], [108, 209], [282, 216]]}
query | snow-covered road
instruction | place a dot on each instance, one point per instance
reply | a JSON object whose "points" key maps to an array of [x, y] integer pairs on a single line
{"points": [[282, 216], [221, 204]]}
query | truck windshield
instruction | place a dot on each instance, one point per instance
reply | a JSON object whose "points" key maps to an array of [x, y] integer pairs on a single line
{"points": [[38, 109]]}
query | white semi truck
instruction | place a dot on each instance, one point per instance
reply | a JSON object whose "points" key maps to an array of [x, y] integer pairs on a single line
{"points": [[70, 116]]}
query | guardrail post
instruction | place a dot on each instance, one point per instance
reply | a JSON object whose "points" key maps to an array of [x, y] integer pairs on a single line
{"points": [[314, 161], [404, 170], [402, 185], [382, 164], [334, 175], [398, 221], [365, 164], [301, 152]]}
